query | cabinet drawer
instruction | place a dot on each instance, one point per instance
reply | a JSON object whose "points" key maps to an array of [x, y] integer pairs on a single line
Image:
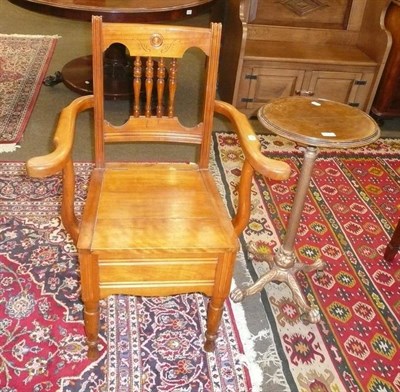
{"points": [[156, 270]]}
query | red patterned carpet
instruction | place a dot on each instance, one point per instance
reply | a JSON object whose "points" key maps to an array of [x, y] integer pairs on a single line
{"points": [[24, 60], [351, 209], [350, 212], [147, 344]]}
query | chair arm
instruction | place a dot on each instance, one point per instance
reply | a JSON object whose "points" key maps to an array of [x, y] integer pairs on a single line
{"points": [[271, 168], [52, 163]]}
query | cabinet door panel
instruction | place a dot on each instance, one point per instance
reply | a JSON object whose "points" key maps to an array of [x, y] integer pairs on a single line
{"points": [[337, 86], [270, 83]]}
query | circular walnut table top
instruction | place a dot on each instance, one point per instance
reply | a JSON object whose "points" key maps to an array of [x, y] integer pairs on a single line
{"points": [[319, 122]]}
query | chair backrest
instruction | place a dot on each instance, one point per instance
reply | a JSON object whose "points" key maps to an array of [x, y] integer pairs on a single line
{"points": [[155, 51]]}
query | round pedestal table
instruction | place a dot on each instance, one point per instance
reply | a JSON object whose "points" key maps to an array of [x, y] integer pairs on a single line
{"points": [[313, 123]]}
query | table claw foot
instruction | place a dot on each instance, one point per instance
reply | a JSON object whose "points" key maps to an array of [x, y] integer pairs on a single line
{"points": [[52, 80], [318, 265], [237, 295], [311, 316]]}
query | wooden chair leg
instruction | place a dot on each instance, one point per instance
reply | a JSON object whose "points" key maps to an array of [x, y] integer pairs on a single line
{"points": [[394, 244], [222, 286], [91, 318], [90, 296], [214, 314]]}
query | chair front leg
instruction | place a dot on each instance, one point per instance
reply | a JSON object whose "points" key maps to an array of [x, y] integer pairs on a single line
{"points": [[214, 314], [222, 286], [91, 318], [90, 297]]}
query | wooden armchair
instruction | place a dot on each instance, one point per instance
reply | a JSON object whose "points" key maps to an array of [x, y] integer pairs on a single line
{"points": [[154, 229]]}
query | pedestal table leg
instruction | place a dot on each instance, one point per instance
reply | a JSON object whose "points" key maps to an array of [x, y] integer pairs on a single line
{"points": [[284, 264]]}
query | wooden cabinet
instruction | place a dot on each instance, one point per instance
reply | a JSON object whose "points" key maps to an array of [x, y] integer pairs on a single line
{"points": [[262, 81], [328, 49], [387, 98]]}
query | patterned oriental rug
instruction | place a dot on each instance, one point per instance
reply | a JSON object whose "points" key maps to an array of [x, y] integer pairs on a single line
{"points": [[352, 207], [147, 344], [350, 213], [24, 60]]}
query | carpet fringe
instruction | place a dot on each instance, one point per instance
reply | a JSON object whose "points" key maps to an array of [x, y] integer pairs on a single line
{"points": [[31, 36], [250, 355], [10, 147]]}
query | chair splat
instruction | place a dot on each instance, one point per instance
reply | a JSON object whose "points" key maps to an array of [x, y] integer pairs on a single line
{"points": [[149, 85], [172, 87], [137, 84], [161, 74], [150, 81]]}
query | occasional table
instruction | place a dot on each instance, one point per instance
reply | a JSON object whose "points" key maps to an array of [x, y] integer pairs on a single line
{"points": [[314, 123], [77, 74]]}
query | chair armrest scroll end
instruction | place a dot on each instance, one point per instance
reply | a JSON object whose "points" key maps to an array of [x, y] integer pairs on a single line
{"points": [[43, 166]]}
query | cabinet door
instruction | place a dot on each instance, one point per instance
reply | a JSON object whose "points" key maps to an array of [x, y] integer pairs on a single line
{"points": [[261, 84], [347, 87]]}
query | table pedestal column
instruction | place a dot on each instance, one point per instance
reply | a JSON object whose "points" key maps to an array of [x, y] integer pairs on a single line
{"points": [[283, 264]]}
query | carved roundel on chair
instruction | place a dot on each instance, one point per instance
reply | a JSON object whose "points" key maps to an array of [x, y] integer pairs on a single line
{"points": [[156, 40]]}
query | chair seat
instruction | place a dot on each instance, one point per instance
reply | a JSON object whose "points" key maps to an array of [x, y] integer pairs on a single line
{"points": [[168, 246], [183, 199]]}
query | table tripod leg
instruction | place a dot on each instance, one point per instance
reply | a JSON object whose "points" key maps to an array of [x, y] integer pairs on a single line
{"points": [[283, 265]]}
